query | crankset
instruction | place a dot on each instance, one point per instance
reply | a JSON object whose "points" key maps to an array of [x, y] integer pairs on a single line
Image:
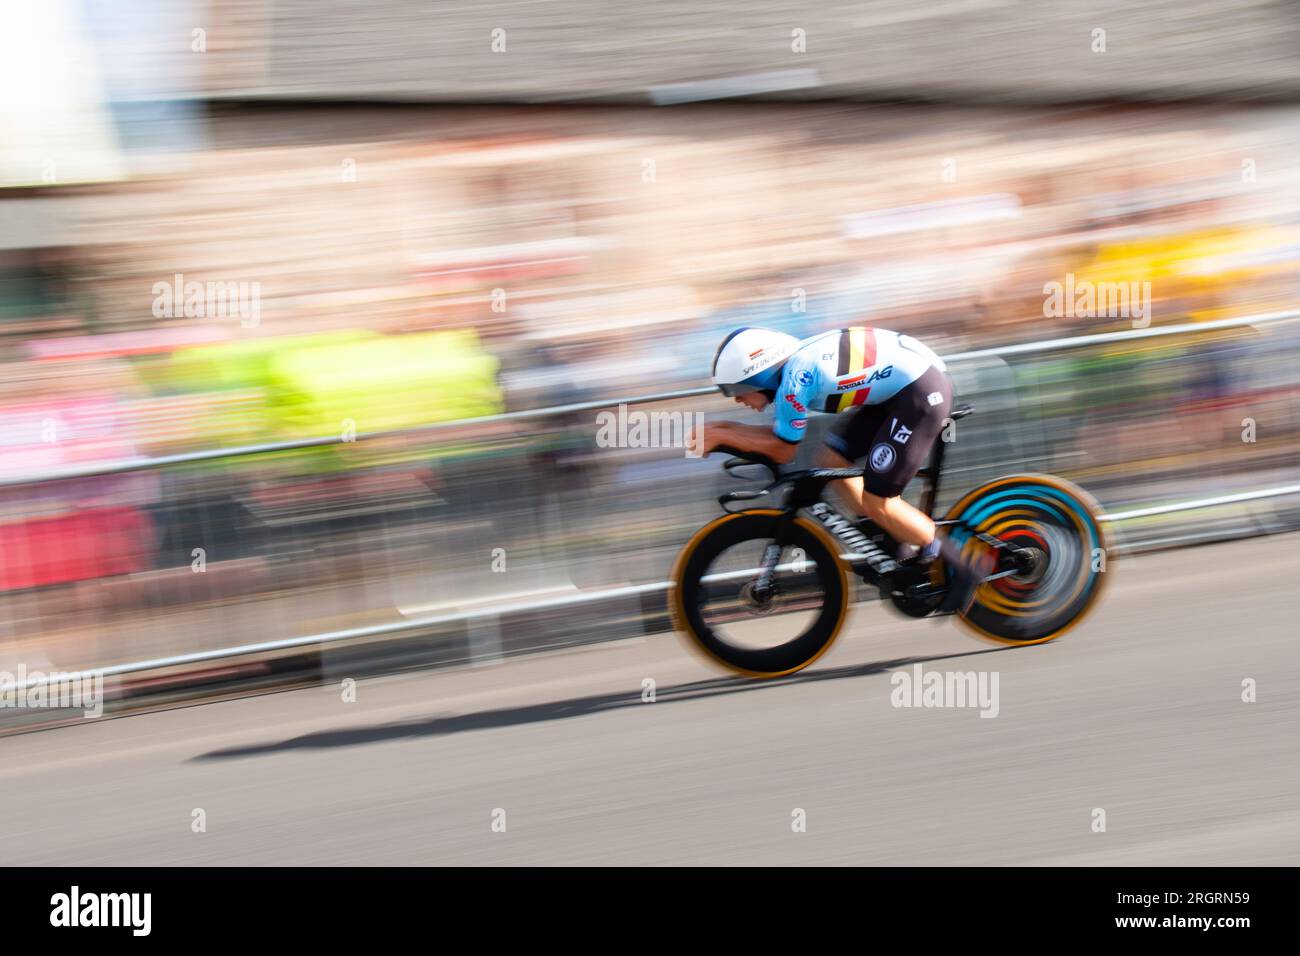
{"points": [[912, 592]]}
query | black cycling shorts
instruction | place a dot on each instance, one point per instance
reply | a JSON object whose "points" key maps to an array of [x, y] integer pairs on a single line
{"points": [[895, 437]]}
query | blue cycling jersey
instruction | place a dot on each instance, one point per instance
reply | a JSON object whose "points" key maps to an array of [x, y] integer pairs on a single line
{"points": [[836, 371]]}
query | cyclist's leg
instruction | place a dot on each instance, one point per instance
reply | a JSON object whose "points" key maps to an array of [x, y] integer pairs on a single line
{"points": [[846, 442], [903, 522], [895, 438], [896, 442]]}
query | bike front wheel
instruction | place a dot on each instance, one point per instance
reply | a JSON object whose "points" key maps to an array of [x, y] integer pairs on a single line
{"points": [[757, 625]]}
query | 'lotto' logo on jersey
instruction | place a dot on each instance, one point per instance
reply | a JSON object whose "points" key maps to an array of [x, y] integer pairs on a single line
{"points": [[798, 405]]}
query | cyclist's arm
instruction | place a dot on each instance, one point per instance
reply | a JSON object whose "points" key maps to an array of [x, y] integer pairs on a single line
{"points": [[751, 438], [795, 394]]}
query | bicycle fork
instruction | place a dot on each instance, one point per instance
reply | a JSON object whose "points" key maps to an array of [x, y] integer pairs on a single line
{"points": [[763, 588]]}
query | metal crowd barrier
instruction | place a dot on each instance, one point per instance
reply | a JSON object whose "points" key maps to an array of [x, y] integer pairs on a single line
{"points": [[332, 541]]}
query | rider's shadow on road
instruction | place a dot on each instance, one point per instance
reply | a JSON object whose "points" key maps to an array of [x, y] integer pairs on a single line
{"points": [[560, 710]]}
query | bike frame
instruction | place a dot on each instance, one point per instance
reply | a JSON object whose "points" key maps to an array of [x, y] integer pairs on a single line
{"points": [[807, 487]]}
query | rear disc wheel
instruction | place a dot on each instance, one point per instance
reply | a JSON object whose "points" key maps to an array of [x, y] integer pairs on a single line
{"points": [[1055, 549]]}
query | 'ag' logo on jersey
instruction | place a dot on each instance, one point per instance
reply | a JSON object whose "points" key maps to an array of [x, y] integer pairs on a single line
{"points": [[857, 381], [804, 378]]}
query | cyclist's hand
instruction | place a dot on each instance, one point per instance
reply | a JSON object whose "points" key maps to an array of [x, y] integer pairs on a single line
{"points": [[695, 443], [702, 441]]}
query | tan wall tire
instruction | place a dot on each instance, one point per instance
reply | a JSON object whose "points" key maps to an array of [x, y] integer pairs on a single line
{"points": [[726, 532], [1055, 517]]}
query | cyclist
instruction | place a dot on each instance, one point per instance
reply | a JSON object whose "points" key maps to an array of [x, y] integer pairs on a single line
{"points": [[897, 395]]}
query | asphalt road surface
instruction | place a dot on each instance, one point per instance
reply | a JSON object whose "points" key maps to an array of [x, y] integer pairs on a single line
{"points": [[1138, 713]]}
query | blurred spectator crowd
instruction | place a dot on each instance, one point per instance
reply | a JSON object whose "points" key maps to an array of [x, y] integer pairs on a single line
{"points": [[591, 255]]}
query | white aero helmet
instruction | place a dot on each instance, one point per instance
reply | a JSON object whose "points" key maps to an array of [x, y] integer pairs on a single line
{"points": [[750, 360]]}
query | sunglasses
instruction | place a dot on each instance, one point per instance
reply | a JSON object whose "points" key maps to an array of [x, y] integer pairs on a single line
{"points": [[731, 391]]}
